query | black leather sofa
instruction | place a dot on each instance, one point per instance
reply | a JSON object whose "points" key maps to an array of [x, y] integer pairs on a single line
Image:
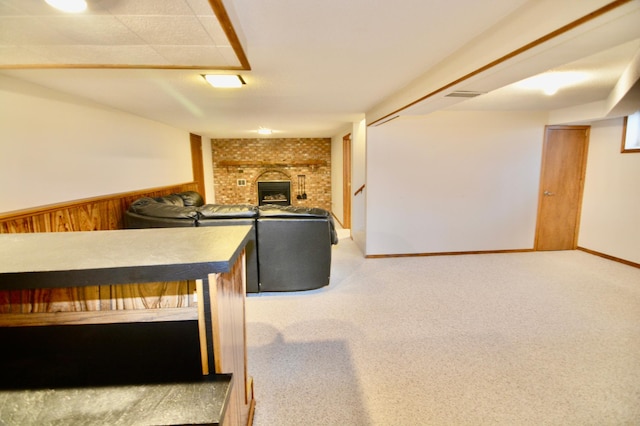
{"points": [[289, 248]]}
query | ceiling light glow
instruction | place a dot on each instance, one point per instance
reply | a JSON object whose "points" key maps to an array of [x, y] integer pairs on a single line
{"points": [[70, 6], [224, 81], [551, 82]]}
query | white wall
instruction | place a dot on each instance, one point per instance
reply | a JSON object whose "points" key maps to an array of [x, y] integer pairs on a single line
{"points": [[453, 182], [56, 148], [610, 219], [358, 178]]}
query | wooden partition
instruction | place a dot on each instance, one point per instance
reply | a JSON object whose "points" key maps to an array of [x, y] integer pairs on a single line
{"points": [[168, 301], [229, 343], [100, 213], [211, 257]]}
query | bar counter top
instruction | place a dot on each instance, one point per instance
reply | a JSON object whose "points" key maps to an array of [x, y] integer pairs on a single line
{"points": [[71, 259]]}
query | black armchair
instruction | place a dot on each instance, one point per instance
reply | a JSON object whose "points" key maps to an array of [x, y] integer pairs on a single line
{"points": [[295, 247]]}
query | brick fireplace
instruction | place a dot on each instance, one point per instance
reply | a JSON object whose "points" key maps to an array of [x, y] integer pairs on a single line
{"points": [[239, 165]]}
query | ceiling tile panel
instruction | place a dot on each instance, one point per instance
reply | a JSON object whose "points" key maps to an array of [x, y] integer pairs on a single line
{"points": [[9, 9], [93, 29], [26, 8], [229, 54], [19, 55], [16, 30], [194, 55], [200, 7], [214, 29], [124, 55], [147, 7], [165, 30], [185, 32]]}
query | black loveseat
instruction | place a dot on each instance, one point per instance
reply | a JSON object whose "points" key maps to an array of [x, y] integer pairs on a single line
{"points": [[289, 248]]}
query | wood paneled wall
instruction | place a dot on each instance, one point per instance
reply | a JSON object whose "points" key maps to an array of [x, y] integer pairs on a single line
{"points": [[94, 214], [101, 213]]}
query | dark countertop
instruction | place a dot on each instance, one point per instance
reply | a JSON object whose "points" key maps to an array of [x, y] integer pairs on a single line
{"points": [[196, 402], [68, 259]]}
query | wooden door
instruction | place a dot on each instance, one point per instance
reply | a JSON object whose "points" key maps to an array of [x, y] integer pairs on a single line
{"points": [[196, 162], [346, 181], [564, 157]]}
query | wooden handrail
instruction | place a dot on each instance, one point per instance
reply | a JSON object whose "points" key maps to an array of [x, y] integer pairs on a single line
{"points": [[359, 190]]}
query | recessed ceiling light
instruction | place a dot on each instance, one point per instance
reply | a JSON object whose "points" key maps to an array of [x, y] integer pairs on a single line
{"points": [[224, 80], [551, 82], [264, 131], [70, 6]]}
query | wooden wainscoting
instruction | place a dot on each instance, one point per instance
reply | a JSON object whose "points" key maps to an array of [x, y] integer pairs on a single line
{"points": [[93, 214]]}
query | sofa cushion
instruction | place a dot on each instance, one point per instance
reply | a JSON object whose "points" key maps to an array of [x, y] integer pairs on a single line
{"points": [[227, 211], [272, 210], [191, 198], [151, 207], [171, 199], [137, 221]]}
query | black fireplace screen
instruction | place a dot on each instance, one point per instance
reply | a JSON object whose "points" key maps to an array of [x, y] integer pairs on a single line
{"points": [[274, 192]]}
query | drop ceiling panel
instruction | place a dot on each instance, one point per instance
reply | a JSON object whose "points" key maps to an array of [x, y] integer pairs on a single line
{"points": [[146, 7], [215, 31], [126, 55], [169, 30], [200, 8], [91, 30], [194, 55], [140, 33], [20, 30], [19, 55], [26, 7]]}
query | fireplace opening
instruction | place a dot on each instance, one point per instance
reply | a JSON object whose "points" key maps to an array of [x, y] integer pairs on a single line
{"points": [[274, 192]]}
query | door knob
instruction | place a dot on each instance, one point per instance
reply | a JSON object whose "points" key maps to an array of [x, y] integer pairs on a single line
{"points": [[548, 194]]}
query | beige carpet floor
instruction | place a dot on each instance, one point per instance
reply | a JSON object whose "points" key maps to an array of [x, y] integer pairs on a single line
{"points": [[542, 338]]}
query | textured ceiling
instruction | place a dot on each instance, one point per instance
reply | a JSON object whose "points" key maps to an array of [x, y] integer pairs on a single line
{"points": [[138, 33]]}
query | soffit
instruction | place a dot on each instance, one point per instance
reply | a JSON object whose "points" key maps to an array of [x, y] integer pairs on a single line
{"points": [[601, 47]]}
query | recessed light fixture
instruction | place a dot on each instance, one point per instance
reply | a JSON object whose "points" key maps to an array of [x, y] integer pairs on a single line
{"points": [[224, 80], [551, 82], [70, 6], [264, 131]]}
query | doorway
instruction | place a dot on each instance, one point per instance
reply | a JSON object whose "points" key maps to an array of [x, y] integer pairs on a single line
{"points": [[197, 163], [564, 156]]}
